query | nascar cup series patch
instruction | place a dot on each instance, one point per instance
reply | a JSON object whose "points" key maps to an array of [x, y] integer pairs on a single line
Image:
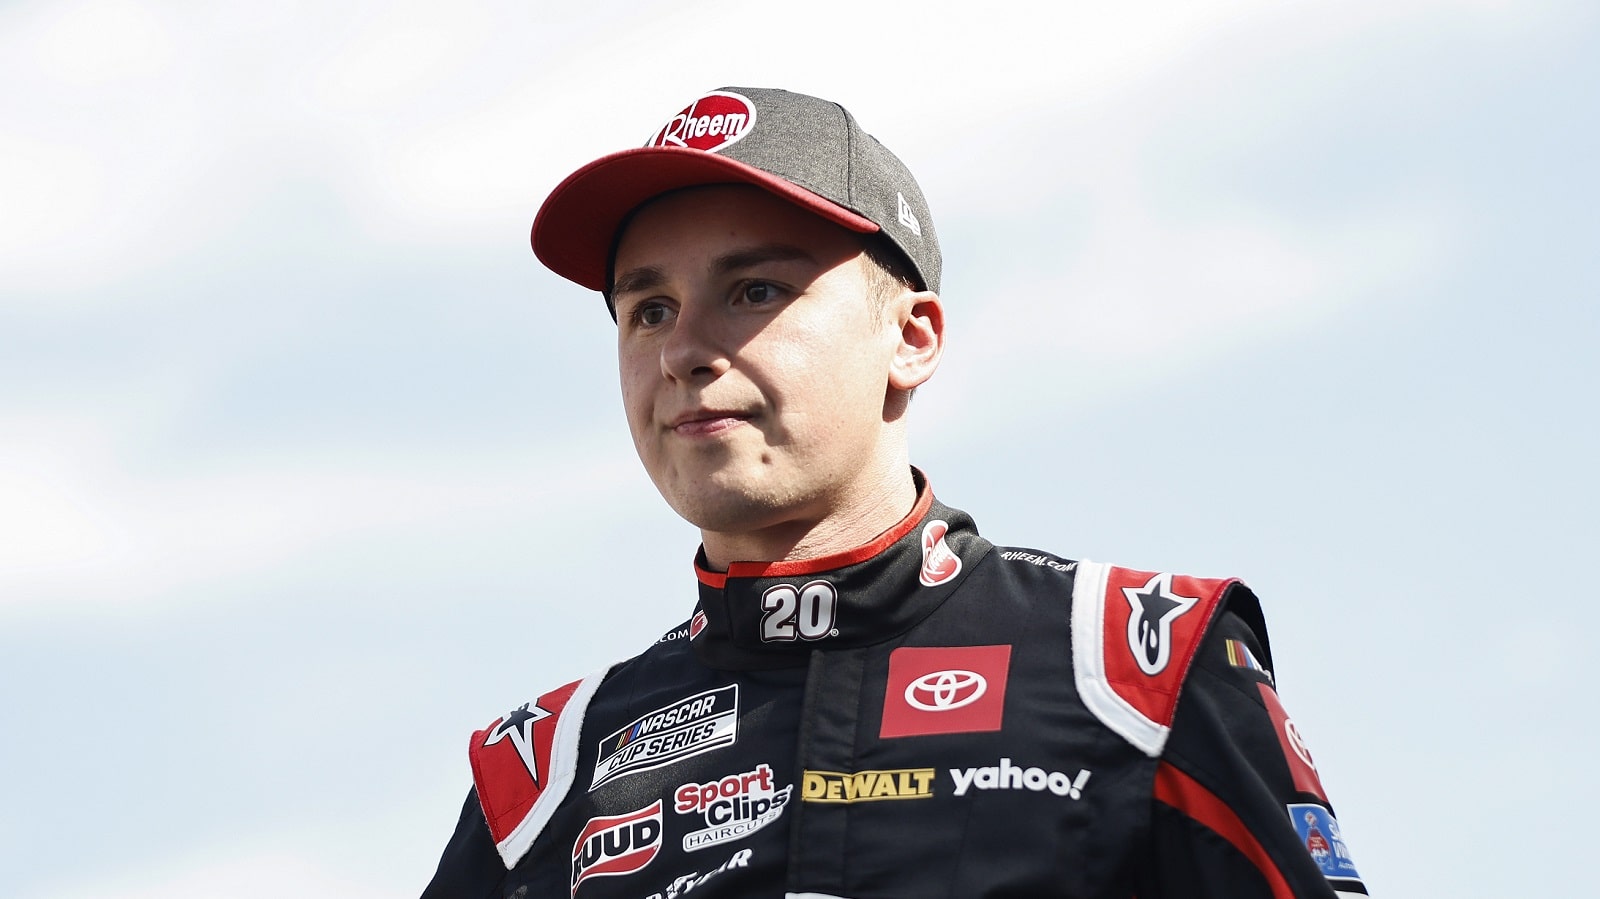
{"points": [[686, 728]]}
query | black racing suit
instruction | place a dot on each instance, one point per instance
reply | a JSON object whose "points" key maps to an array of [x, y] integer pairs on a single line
{"points": [[926, 716]]}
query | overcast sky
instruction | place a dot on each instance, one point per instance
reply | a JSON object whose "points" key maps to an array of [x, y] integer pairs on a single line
{"points": [[308, 469]]}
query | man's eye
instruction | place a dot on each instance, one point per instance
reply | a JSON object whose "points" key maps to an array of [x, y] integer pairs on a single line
{"points": [[650, 314], [758, 292]]}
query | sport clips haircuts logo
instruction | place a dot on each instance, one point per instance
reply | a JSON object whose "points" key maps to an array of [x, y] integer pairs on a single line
{"points": [[733, 807], [696, 724], [616, 844], [710, 123]]}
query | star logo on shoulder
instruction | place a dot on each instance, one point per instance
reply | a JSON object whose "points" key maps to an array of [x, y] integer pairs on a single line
{"points": [[1154, 607], [518, 725]]}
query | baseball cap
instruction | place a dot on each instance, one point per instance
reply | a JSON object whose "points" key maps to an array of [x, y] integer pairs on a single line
{"points": [[806, 150]]}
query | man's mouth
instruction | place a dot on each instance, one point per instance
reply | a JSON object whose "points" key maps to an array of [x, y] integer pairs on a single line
{"points": [[708, 422]]}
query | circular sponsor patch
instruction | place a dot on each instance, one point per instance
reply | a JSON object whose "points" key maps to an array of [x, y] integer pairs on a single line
{"points": [[710, 123], [1298, 743]]}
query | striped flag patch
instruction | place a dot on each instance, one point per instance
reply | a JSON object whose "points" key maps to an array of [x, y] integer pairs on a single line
{"points": [[1239, 656]]}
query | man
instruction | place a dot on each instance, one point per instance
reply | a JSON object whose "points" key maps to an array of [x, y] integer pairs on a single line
{"points": [[869, 699]]}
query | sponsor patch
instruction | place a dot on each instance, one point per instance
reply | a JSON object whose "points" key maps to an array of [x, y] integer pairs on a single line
{"points": [[1039, 559], [697, 624], [1239, 656], [1006, 776], [616, 844], [939, 562], [1320, 834], [809, 612], [945, 690], [1153, 608], [686, 882], [733, 807], [1295, 751], [689, 727], [867, 786], [711, 123], [517, 726]]}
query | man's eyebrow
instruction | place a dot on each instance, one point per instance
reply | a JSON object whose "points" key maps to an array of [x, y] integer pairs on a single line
{"points": [[649, 277], [645, 277], [746, 258]]}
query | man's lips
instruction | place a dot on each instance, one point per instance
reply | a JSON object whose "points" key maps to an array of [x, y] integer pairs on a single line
{"points": [[706, 422]]}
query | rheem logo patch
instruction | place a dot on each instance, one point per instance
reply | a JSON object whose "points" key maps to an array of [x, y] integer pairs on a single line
{"points": [[710, 123], [945, 690], [939, 562], [617, 844]]}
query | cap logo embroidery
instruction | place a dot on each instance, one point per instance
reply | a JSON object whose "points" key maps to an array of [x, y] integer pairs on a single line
{"points": [[711, 123], [907, 217]]}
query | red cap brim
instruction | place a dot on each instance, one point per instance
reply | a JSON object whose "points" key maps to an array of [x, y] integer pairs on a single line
{"points": [[573, 232]]}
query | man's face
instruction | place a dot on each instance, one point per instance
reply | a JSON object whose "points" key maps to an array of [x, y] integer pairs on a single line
{"points": [[754, 362]]}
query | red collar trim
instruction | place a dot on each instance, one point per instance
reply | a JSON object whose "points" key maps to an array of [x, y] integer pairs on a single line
{"points": [[844, 559]]}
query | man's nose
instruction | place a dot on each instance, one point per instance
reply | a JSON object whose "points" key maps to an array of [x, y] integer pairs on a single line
{"points": [[694, 349]]}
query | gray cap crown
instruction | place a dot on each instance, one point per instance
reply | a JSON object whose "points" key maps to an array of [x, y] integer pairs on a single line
{"points": [[809, 151]]}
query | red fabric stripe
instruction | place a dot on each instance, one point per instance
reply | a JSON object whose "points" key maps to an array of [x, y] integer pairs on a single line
{"points": [[826, 563], [1183, 793]]}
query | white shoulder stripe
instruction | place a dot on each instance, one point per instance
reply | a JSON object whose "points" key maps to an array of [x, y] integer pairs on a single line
{"points": [[563, 771], [1089, 664]]}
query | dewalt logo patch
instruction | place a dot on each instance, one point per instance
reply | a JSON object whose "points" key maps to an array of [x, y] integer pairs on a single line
{"points": [[867, 786]]}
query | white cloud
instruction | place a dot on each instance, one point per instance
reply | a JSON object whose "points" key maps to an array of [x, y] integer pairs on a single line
{"points": [[80, 527], [243, 873], [101, 41], [1146, 288], [143, 137]]}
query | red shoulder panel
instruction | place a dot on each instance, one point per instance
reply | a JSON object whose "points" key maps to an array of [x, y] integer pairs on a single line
{"points": [[1153, 623], [512, 759]]}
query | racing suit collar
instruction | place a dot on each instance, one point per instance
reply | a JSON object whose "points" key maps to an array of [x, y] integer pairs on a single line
{"points": [[774, 614]]}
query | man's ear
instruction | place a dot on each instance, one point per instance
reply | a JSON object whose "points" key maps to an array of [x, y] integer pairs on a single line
{"points": [[920, 316]]}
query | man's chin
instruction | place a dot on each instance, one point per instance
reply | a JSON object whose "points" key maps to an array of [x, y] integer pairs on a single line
{"points": [[732, 505]]}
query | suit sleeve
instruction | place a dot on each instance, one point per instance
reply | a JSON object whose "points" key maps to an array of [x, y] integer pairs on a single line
{"points": [[470, 868], [1238, 808]]}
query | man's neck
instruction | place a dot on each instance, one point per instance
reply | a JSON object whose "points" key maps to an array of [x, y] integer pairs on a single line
{"points": [[872, 509]]}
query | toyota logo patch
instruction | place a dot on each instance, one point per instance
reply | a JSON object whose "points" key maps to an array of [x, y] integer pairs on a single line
{"points": [[942, 691], [945, 690]]}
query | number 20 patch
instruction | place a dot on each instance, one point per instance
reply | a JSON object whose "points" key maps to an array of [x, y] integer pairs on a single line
{"points": [[807, 613]]}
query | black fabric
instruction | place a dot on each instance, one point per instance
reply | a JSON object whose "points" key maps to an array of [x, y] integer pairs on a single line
{"points": [[813, 713]]}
